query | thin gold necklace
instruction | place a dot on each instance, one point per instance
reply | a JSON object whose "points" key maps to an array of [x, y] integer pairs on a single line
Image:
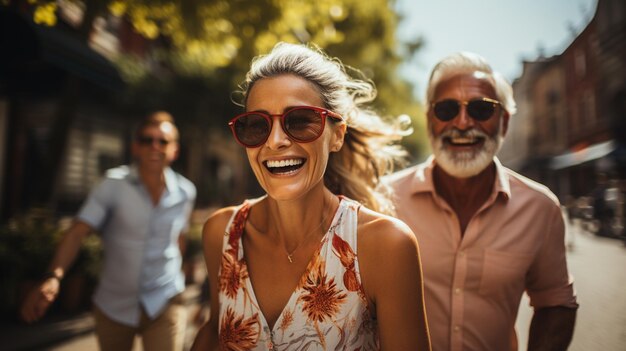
{"points": [[290, 254]]}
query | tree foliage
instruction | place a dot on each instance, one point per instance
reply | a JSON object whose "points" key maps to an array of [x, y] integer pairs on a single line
{"points": [[214, 40]]}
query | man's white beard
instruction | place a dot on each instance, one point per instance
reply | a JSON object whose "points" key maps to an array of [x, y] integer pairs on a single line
{"points": [[465, 164]]}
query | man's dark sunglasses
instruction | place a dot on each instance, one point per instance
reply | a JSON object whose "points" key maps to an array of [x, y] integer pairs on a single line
{"points": [[147, 140], [302, 124], [480, 109]]}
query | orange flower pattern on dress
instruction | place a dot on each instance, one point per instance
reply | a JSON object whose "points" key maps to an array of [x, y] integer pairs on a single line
{"points": [[347, 257], [233, 274], [286, 322], [322, 299], [327, 310], [233, 270], [237, 333]]}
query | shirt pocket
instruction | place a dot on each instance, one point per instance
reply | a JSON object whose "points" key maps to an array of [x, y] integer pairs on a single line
{"points": [[502, 271]]}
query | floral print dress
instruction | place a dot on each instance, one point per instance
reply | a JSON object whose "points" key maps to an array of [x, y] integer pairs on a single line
{"points": [[327, 311]]}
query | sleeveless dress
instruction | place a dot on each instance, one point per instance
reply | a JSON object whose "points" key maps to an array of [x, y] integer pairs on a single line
{"points": [[328, 309]]}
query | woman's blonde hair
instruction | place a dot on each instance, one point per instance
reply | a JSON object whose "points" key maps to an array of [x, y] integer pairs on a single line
{"points": [[370, 148]]}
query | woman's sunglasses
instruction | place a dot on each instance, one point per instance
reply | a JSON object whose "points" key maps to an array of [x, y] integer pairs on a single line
{"points": [[303, 124], [479, 109]]}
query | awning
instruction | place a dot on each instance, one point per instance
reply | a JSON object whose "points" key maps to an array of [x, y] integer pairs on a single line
{"points": [[587, 154]]}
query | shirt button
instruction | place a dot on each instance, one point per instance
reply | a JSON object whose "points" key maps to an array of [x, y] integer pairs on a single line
{"points": [[457, 291], [456, 328], [462, 254]]}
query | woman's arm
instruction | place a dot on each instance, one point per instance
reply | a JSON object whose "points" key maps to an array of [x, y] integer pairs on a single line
{"points": [[392, 279], [212, 237]]}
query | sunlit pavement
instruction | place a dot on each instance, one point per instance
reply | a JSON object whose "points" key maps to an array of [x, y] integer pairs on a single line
{"points": [[598, 265]]}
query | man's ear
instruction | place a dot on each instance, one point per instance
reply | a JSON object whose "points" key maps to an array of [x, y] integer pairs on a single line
{"points": [[429, 116], [339, 133], [177, 153], [505, 123]]}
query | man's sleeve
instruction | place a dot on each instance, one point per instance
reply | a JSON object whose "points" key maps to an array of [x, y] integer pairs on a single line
{"points": [[190, 191], [548, 282], [96, 207]]}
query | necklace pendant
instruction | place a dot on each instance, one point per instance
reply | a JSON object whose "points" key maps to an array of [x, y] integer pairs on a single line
{"points": [[289, 258]]}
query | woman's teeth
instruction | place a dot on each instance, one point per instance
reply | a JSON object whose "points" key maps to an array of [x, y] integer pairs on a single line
{"points": [[284, 166], [284, 163]]}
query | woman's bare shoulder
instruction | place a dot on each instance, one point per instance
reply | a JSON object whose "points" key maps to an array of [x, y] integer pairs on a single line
{"points": [[382, 230], [215, 226], [388, 254]]}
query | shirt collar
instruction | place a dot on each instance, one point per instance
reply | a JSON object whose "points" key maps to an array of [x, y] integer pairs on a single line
{"points": [[423, 178], [133, 174], [171, 182], [503, 184]]}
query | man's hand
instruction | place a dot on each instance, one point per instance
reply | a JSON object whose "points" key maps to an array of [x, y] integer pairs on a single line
{"points": [[39, 300]]}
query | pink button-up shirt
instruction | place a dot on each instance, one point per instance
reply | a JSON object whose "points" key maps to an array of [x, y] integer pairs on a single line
{"points": [[474, 282]]}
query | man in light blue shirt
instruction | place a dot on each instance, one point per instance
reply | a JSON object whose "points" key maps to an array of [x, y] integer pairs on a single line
{"points": [[140, 211]]}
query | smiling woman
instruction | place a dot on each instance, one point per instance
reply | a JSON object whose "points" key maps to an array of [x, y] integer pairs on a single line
{"points": [[301, 266]]}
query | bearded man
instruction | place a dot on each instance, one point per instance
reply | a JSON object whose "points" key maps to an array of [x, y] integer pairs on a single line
{"points": [[486, 233]]}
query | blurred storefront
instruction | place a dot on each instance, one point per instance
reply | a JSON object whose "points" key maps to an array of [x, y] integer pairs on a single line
{"points": [[572, 109], [67, 114], [58, 94]]}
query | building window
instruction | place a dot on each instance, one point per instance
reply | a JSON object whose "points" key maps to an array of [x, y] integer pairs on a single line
{"points": [[580, 63], [552, 97], [554, 128], [590, 107], [573, 118]]}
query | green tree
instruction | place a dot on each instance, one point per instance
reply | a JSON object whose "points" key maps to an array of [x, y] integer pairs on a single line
{"points": [[370, 44], [207, 45], [207, 36]]}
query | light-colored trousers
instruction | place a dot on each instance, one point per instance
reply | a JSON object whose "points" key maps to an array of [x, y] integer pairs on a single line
{"points": [[166, 332]]}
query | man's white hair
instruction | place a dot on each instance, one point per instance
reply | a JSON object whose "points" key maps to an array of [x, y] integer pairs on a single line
{"points": [[464, 62]]}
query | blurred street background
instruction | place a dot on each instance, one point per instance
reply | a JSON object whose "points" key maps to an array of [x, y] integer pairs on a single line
{"points": [[76, 76]]}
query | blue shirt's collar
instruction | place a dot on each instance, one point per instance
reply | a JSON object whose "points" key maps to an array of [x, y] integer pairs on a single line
{"points": [[171, 181], [133, 174]]}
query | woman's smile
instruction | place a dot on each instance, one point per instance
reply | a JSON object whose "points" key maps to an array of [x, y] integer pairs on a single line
{"points": [[285, 166]]}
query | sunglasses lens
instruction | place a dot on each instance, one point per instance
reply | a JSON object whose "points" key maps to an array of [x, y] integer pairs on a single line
{"points": [[251, 129], [303, 124], [446, 110], [146, 140], [481, 110]]}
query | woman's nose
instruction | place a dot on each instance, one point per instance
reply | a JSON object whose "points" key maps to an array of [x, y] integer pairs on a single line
{"points": [[277, 138]]}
